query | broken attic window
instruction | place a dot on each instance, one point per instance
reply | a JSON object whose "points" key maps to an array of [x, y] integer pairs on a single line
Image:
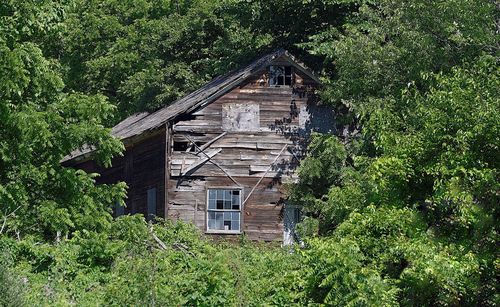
{"points": [[181, 145], [280, 75], [187, 146]]}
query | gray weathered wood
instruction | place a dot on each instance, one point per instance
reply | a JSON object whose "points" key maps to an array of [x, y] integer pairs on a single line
{"points": [[200, 161]]}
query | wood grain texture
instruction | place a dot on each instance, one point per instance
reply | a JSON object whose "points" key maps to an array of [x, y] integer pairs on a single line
{"points": [[184, 149]]}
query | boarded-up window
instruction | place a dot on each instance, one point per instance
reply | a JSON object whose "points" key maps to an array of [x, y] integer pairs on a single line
{"points": [[151, 204], [240, 117], [224, 210]]}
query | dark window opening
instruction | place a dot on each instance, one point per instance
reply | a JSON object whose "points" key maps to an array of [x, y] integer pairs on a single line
{"points": [[180, 146], [280, 75], [187, 146]]}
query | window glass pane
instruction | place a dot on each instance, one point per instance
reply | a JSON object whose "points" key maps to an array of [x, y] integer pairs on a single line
{"points": [[211, 204], [281, 80], [288, 70], [212, 194], [211, 220], [219, 221], [119, 209], [220, 194], [235, 225], [235, 216], [236, 202], [276, 75], [226, 201]]}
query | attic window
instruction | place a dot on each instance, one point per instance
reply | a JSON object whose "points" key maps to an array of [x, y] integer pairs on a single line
{"points": [[280, 75], [181, 145], [187, 146]]}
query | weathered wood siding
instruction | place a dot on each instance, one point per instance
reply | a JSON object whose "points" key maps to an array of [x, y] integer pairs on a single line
{"points": [[243, 155], [252, 134], [142, 167]]}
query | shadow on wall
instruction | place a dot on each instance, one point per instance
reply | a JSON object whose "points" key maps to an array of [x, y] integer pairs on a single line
{"points": [[312, 117]]}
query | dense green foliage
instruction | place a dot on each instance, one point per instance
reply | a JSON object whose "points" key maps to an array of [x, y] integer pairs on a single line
{"points": [[39, 125], [401, 205], [145, 54], [129, 267], [412, 183]]}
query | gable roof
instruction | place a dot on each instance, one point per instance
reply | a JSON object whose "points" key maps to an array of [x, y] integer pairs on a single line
{"points": [[140, 123]]}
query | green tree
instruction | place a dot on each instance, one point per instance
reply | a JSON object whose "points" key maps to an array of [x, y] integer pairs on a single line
{"points": [[39, 125], [412, 180], [423, 211]]}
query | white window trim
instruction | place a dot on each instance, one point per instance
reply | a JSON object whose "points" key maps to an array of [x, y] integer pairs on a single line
{"points": [[216, 231]]}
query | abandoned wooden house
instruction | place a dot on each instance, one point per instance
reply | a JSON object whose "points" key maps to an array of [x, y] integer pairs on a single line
{"points": [[219, 156]]}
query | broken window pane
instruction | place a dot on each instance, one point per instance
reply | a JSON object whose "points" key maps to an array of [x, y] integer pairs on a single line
{"points": [[223, 212], [220, 204], [280, 75]]}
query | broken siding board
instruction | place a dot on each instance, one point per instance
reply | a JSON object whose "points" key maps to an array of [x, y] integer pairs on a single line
{"points": [[201, 161], [246, 156]]}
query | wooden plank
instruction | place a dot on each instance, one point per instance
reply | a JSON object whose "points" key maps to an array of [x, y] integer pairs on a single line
{"points": [[202, 148], [258, 168], [201, 161], [264, 175]]}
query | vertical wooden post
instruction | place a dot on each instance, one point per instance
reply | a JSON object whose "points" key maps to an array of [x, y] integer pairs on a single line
{"points": [[168, 154]]}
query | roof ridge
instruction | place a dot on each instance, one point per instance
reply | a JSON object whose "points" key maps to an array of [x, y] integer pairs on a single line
{"points": [[138, 123]]}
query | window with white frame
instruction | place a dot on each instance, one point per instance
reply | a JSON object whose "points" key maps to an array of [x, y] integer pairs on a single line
{"points": [[224, 210], [280, 75]]}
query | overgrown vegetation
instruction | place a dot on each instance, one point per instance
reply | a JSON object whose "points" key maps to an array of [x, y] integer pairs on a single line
{"points": [[401, 205]]}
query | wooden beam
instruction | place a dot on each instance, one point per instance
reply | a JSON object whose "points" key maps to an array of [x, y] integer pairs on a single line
{"points": [[201, 161], [264, 175], [202, 148], [213, 162]]}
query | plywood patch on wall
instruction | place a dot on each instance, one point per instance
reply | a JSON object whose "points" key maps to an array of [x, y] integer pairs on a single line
{"points": [[240, 117]]}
